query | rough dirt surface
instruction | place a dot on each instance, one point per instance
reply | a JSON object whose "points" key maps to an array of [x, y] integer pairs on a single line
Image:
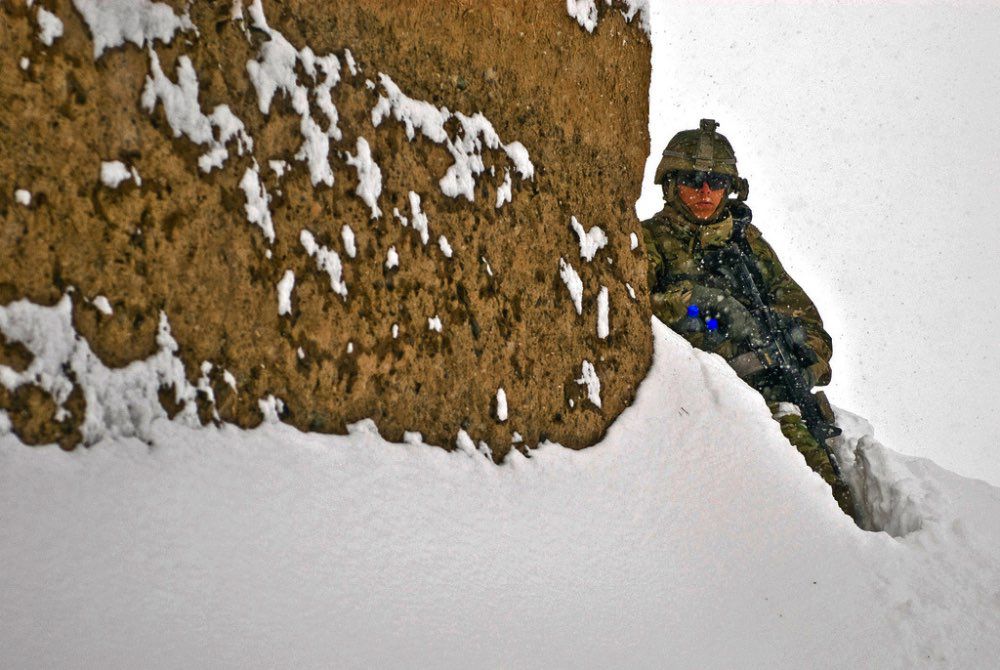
{"points": [[180, 242]]}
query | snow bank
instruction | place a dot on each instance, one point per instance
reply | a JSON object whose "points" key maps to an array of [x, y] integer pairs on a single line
{"points": [[693, 535]]}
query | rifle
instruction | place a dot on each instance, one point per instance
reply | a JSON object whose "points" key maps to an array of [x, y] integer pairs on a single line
{"points": [[779, 350]]}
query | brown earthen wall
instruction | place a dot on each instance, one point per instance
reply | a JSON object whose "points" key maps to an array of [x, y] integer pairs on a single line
{"points": [[181, 242]]}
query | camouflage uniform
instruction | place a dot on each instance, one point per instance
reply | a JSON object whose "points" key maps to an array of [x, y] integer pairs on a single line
{"points": [[680, 248], [678, 276]]}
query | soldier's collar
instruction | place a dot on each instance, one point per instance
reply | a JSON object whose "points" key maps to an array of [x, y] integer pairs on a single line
{"points": [[717, 234], [710, 235]]}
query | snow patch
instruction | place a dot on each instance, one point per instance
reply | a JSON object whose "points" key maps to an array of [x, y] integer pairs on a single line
{"points": [[633, 241], [285, 287], [271, 407], [274, 71], [257, 202], [476, 134], [591, 241], [113, 173], [468, 446], [590, 379], [573, 283], [586, 13], [352, 65], [141, 22], [102, 305], [347, 235], [445, 247], [434, 323], [22, 197], [501, 405], [602, 313], [505, 190], [51, 26], [279, 167], [184, 115], [369, 176], [327, 261], [119, 402], [391, 258], [419, 219]]}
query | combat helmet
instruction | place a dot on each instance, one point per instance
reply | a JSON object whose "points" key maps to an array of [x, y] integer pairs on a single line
{"points": [[701, 150]]}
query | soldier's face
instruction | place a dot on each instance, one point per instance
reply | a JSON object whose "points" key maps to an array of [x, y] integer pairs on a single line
{"points": [[702, 202]]}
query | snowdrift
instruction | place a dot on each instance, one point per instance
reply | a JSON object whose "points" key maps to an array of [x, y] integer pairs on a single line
{"points": [[694, 535]]}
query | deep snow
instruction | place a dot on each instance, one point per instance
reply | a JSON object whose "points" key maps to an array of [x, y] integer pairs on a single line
{"points": [[693, 536]]}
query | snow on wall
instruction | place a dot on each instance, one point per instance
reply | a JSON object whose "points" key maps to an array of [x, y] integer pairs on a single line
{"points": [[103, 305], [327, 260], [587, 14], [113, 173], [591, 241], [590, 379], [573, 283], [285, 287], [347, 235], [369, 176], [257, 202], [465, 148], [501, 404], [120, 402], [603, 329], [180, 104], [50, 27], [417, 218], [274, 72], [391, 258], [445, 246], [114, 22]]}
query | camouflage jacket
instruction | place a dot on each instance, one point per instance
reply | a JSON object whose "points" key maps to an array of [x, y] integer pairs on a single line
{"points": [[676, 249]]}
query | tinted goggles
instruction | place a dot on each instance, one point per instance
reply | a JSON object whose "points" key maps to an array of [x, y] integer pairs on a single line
{"points": [[714, 180]]}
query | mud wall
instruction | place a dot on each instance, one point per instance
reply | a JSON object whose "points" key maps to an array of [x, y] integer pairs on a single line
{"points": [[419, 213]]}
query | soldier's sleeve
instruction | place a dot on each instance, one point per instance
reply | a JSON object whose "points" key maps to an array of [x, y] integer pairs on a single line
{"points": [[788, 299], [669, 300]]}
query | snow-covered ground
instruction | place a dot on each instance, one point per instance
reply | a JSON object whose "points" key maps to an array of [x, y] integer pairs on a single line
{"points": [[694, 535]]}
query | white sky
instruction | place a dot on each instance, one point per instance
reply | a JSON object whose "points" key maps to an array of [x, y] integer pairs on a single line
{"points": [[867, 133]]}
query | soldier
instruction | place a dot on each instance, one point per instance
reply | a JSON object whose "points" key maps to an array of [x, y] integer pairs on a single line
{"points": [[715, 281]]}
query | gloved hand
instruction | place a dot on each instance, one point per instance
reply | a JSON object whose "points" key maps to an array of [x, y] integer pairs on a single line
{"points": [[817, 374], [735, 320]]}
